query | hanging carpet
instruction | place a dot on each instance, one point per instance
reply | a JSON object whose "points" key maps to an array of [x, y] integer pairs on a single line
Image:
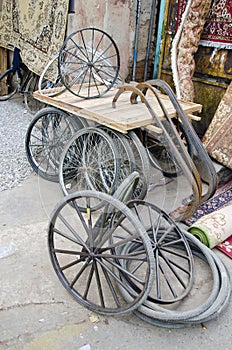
{"points": [[217, 139], [185, 45], [37, 28], [217, 30]]}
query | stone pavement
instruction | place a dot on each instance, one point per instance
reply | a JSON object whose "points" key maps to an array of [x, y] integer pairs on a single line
{"points": [[36, 312]]}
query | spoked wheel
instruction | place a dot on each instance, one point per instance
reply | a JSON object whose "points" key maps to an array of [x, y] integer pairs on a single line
{"points": [[89, 63], [173, 257], [125, 153], [85, 252], [142, 165], [159, 152], [8, 84], [32, 104], [50, 83], [89, 161], [160, 155], [46, 137]]}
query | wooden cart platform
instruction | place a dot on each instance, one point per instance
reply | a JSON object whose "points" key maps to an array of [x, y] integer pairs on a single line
{"points": [[121, 116]]}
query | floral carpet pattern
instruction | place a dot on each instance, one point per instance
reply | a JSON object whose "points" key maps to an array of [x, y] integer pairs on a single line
{"points": [[218, 27], [217, 139], [185, 45], [217, 31], [214, 228], [37, 28], [222, 200]]}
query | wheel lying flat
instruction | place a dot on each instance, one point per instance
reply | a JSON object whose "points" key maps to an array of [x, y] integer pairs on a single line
{"points": [[173, 258], [46, 137], [85, 252], [89, 161], [89, 63]]}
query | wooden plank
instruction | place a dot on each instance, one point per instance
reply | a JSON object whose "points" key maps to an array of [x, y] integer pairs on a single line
{"points": [[3, 66], [125, 116], [154, 128], [194, 117], [3, 59]]}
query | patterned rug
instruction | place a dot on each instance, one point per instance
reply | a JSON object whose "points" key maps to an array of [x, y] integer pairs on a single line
{"points": [[217, 139], [217, 30], [185, 45], [221, 199], [37, 28], [218, 27]]}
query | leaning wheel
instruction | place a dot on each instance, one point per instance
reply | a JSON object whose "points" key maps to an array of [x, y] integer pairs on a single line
{"points": [[125, 153], [142, 165], [89, 63], [33, 105], [85, 252], [160, 153], [46, 137], [50, 83], [89, 161], [8, 84], [173, 257]]}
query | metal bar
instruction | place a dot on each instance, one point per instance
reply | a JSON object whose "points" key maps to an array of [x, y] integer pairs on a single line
{"points": [[153, 8], [138, 11]]}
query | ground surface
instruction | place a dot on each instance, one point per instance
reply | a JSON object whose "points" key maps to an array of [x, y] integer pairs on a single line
{"points": [[36, 313]]}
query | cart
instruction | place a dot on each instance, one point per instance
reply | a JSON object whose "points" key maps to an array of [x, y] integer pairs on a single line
{"points": [[111, 249]]}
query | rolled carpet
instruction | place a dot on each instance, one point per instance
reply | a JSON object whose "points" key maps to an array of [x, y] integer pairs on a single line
{"points": [[214, 228]]}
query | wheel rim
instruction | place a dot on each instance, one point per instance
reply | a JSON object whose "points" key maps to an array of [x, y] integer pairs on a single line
{"points": [[81, 245], [89, 63], [33, 105], [141, 165], [125, 153], [89, 161], [173, 256], [45, 140]]}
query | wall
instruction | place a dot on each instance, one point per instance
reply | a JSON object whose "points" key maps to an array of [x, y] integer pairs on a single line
{"points": [[118, 19]]}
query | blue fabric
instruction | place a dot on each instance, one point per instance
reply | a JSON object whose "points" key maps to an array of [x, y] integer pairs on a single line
{"points": [[16, 60]]}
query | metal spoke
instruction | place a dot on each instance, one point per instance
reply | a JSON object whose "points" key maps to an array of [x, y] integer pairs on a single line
{"points": [[88, 283], [78, 275], [111, 287], [100, 291], [71, 229]]}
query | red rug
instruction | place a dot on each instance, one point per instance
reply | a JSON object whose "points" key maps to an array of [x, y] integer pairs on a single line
{"points": [[221, 198], [217, 31], [226, 247]]}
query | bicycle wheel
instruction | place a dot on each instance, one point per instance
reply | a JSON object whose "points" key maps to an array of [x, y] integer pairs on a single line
{"points": [[32, 104], [89, 63], [125, 153], [8, 84], [84, 252], [142, 165], [160, 156], [160, 153], [89, 161], [50, 83], [45, 139], [173, 257]]}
